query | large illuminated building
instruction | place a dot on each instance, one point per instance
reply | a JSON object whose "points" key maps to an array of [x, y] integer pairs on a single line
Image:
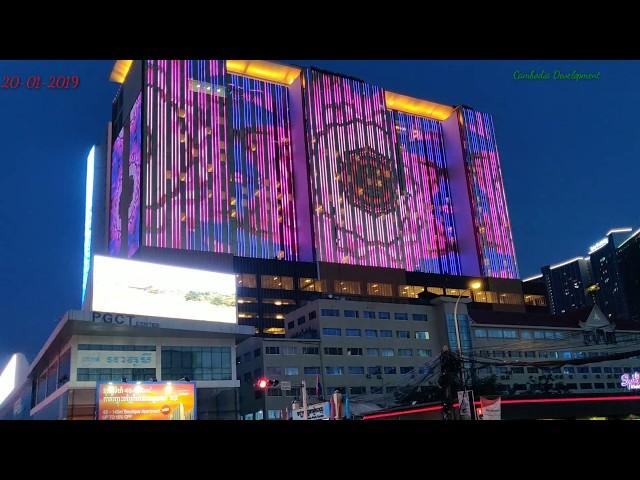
{"points": [[305, 182]]}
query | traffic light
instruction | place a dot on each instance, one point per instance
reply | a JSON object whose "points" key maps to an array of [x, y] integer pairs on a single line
{"points": [[264, 383]]}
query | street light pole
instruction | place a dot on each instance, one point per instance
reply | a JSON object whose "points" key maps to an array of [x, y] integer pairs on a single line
{"points": [[455, 322]]}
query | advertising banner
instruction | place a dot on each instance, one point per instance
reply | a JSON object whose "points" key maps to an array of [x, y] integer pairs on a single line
{"points": [[491, 408], [146, 401], [115, 359], [318, 411], [465, 405]]}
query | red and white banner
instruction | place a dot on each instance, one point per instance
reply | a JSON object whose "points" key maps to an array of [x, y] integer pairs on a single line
{"points": [[491, 408]]}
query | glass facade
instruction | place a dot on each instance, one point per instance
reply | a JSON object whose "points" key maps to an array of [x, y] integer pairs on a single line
{"points": [[196, 363]]}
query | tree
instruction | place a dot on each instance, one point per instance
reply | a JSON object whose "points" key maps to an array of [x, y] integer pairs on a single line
{"points": [[486, 387]]}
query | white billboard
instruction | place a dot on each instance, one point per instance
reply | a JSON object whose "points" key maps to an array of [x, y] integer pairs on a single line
{"points": [[142, 288]]}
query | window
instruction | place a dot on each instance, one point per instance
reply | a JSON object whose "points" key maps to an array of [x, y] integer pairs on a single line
{"points": [[374, 370], [549, 335], [353, 332], [454, 292], [312, 315], [64, 370], [583, 369], [402, 334], [499, 353], [586, 386], [517, 370], [526, 334], [409, 291], [611, 385], [311, 370], [334, 370], [596, 369], [435, 290], [502, 370], [371, 333], [246, 280], [405, 352], [568, 370], [422, 335], [256, 353], [384, 315], [291, 371], [386, 333], [419, 317], [329, 312], [607, 370], [355, 370], [372, 352], [480, 333], [272, 350], [197, 363], [310, 351], [274, 415], [532, 370], [515, 354], [390, 370], [311, 285], [401, 316], [354, 351], [387, 352], [333, 350], [351, 313], [421, 352], [288, 350], [114, 374], [274, 371], [555, 370], [369, 314], [291, 324], [485, 297], [332, 332], [380, 289], [274, 392], [301, 320], [495, 333], [598, 385], [376, 390], [358, 390], [510, 299], [276, 283], [278, 301], [538, 335], [347, 287], [560, 335], [406, 370], [617, 370], [572, 386], [509, 334]]}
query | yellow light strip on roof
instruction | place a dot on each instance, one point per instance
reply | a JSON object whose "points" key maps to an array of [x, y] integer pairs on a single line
{"points": [[416, 106], [120, 71], [263, 70]]}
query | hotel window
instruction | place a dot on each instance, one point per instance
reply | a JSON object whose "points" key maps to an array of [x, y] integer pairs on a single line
{"points": [[405, 352], [371, 333], [436, 290], [485, 297], [278, 301], [356, 370], [422, 335], [380, 289], [329, 312], [246, 280], [310, 351], [288, 350], [333, 350], [368, 314], [456, 291], [272, 350], [353, 332], [421, 352], [334, 370], [401, 316], [354, 351], [480, 333], [291, 371], [410, 291], [387, 352], [347, 287], [372, 352], [332, 332], [312, 370], [197, 363], [311, 285], [536, 300], [402, 334], [419, 317], [276, 282], [510, 299], [242, 300], [386, 333], [390, 370], [384, 315], [351, 314]]}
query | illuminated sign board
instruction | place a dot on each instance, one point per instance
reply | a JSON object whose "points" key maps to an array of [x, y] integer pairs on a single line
{"points": [[140, 288], [146, 401], [632, 382], [319, 411], [599, 245], [115, 359]]}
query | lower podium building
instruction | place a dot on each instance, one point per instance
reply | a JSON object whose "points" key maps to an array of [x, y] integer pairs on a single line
{"points": [[89, 349]]}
